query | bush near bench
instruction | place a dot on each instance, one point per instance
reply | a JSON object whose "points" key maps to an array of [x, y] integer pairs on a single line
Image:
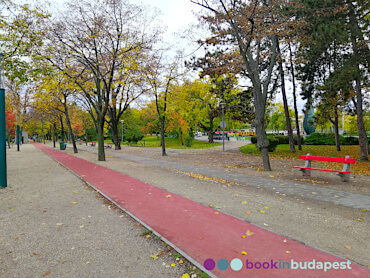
{"points": [[313, 139], [273, 142], [329, 139]]}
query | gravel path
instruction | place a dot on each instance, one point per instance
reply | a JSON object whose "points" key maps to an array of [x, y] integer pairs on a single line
{"points": [[44, 233], [53, 225], [333, 228]]}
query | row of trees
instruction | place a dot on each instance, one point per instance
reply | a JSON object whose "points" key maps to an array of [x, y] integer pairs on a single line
{"points": [[90, 54], [102, 56], [321, 43]]}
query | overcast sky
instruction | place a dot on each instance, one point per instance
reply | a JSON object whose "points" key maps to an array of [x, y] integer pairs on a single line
{"points": [[176, 15]]}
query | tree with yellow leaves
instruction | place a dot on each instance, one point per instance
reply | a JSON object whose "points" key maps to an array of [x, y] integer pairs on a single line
{"points": [[89, 42]]}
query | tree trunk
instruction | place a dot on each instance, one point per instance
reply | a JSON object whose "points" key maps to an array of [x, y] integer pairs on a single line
{"points": [[362, 137], [116, 141], [259, 122], [286, 107], [336, 129], [295, 100], [182, 139], [62, 129], [163, 143], [210, 131], [69, 125], [9, 138], [100, 126], [356, 35]]}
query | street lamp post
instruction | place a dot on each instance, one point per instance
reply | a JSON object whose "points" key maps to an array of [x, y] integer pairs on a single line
{"points": [[3, 177], [223, 126], [86, 136], [122, 132]]}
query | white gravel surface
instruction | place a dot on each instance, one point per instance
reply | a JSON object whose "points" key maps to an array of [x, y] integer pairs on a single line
{"points": [[53, 225]]}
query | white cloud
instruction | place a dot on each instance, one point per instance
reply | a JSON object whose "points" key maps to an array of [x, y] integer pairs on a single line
{"points": [[176, 14]]}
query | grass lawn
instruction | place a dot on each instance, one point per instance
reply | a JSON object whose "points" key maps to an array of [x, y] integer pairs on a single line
{"points": [[283, 151], [172, 143]]}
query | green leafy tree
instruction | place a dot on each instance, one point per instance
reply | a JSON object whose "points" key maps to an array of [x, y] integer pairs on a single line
{"points": [[334, 44]]}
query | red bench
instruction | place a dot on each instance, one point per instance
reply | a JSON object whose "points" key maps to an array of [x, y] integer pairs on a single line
{"points": [[109, 145], [93, 143], [344, 174]]}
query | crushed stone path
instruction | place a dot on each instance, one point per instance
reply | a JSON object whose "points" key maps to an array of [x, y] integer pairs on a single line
{"points": [[202, 232], [337, 197]]}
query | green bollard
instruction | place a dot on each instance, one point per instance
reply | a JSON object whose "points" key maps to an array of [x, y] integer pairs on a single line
{"points": [[3, 175], [17, 138]]}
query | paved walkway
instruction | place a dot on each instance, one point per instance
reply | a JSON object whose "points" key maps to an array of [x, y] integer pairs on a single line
{"points": [[202, 232], [337, 197]]}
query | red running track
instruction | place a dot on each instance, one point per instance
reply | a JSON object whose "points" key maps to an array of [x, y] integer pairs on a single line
{"points": [[202, 232]]}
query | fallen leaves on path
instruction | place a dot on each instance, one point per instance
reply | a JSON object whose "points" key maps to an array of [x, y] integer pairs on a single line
{"points": [[204, 177], [249, 233]]}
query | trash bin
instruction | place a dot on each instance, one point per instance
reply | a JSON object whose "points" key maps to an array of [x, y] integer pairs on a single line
{"points": [[62, 146]]}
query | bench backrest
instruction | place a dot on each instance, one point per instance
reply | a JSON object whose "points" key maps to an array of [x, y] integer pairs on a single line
{"points": [[330, 159]]}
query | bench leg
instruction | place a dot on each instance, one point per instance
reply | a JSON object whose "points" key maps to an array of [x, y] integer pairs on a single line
{"points": [[343, 177], [347, 168], [306, 172]]}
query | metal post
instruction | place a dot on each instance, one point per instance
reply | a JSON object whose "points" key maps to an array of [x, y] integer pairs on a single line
{"points": [[121, 132], [54, 135], [3, 174], [86, 137], [343, 123], [223, 127], [17, 138], [42, 131]]}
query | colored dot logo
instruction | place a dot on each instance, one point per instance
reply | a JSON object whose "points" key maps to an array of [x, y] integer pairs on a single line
{"points": [[209, 264], [223, 264]]}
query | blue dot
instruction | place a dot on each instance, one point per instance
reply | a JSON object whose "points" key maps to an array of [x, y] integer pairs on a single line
{"points": [[236, 264], [223, 264]]}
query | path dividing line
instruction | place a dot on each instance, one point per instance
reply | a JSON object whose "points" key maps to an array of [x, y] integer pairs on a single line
{"points": [[201, 232]]}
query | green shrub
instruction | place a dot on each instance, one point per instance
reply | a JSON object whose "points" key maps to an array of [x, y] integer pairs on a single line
{"points": [[283, 139], [320, 139], [189, 141], [92, 134], [133, 134], [254, 139], [347, 141], [273, 142], [329, 139]]}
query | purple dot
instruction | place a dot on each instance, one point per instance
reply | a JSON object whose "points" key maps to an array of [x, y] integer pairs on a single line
{"points": [[209, 264]]}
